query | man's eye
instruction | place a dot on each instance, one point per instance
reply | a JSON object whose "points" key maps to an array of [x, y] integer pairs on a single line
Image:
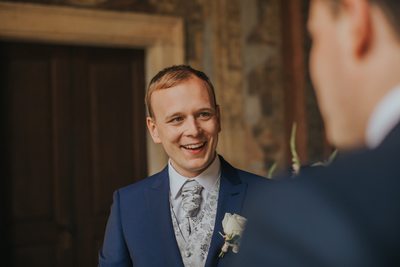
{"points": [[205, 115], [176, 120]]}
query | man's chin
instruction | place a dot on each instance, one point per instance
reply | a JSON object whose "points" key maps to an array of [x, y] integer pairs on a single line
{"points": [[344, 142], [198, 165]]}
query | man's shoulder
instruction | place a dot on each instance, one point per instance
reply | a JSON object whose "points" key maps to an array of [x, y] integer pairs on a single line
{"points": [[358, 191], [142, 185], [351, 178], [251, 177], [376, 163], [246, 176]]}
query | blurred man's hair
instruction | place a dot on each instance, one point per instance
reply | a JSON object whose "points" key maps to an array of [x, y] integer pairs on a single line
{"points": [[390, 8], [173, 76]]}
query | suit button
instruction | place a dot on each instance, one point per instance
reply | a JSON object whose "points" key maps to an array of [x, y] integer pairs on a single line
{"points": [[188, 254]]}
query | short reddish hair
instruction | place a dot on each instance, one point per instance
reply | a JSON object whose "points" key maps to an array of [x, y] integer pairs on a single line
{"points": [[172, 76]]}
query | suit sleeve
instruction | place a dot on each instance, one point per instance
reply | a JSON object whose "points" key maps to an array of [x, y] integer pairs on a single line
{"points": [[114, 251]]}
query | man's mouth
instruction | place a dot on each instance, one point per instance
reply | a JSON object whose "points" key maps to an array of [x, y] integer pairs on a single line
{"points": [[194, 147]]}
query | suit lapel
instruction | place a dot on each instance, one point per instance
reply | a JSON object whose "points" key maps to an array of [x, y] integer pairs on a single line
{"points": [[231, 196], [160, 219]]}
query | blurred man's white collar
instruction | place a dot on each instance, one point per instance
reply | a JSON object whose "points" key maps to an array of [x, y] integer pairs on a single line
{"points": [[384, 118]]}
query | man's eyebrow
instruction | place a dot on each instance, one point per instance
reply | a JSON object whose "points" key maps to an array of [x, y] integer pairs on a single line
{"points": [[207, 109]]}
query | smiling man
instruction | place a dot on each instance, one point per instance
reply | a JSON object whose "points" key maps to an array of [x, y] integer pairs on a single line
{"points": [[174, 217]]}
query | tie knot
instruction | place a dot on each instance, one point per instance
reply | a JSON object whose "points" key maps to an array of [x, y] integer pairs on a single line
{"points": [[191, 197]]}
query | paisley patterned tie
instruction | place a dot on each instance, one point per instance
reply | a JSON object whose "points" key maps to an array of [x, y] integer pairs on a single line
{"points": [[191, 201]]}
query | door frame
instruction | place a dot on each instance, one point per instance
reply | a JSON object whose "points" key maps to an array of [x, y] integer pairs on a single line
{"points": [[162, 38]]}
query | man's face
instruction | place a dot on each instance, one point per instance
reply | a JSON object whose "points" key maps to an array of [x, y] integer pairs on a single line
{"points": [[330, 73], [187, 124]]}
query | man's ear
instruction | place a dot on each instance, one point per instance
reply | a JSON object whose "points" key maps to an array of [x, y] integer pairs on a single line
{"points": [[153, 130], [218, 114], [360, 22]]}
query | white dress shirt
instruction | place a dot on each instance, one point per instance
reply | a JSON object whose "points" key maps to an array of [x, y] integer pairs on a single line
{"points": [[208, 179], [383, 119]]}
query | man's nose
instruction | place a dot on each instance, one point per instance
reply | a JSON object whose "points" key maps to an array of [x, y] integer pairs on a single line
{"points": [[192, 127]]}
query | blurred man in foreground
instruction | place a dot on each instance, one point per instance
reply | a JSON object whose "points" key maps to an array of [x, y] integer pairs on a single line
{"points": [[347, 214]]}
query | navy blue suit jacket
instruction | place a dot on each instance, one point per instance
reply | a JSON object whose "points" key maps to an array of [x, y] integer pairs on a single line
{"points": [[139, 231], [347, 214]]}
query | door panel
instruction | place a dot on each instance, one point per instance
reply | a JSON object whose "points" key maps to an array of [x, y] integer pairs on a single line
{"points": [[29, 130], [74, 131], [106, 129]]}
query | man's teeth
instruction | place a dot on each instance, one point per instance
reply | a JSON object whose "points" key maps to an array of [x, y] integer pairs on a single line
{"points": [[195, 146]]}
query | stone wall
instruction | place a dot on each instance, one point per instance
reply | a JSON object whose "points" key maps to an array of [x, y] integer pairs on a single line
{"points": [[264, 91]]}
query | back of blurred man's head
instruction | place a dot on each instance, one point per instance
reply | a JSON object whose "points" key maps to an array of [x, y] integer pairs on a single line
{"points": [[354, 62]]}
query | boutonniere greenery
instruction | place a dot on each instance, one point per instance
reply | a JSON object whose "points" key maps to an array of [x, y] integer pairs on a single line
{"points": [[233, 226]]}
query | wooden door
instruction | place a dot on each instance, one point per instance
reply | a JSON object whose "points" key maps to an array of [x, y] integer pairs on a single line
{"points": [[73, 130]]}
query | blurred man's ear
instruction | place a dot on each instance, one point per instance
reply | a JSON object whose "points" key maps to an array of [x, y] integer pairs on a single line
{"points": [[359, 19], [153, 130]]}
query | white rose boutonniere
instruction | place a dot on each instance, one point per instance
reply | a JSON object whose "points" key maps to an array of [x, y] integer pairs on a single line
{"points": [[233, 226]]}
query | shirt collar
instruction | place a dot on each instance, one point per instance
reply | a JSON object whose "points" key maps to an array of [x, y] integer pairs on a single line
{"points": [[208, 178], [384, 118]]}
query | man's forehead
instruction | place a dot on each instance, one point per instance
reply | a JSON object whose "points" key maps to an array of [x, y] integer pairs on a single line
{"points": [[171, 98]]}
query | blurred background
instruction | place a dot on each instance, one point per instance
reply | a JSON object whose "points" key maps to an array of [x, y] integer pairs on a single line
{"points": [[72, 78]]}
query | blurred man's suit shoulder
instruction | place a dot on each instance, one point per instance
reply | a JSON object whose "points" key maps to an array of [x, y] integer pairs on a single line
{"points": [[347, 214]]}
